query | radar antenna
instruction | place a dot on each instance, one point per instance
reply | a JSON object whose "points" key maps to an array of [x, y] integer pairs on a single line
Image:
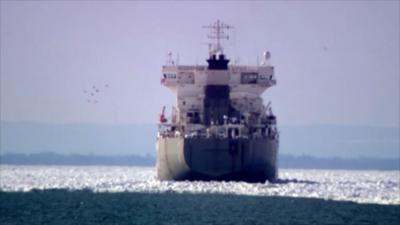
{"points": [[217, 32]]}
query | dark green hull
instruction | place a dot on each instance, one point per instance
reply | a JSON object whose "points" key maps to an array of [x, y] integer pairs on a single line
{"points": [[252, 160]]}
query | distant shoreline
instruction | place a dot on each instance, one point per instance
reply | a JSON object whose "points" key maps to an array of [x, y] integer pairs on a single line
{"points": [[285, 161]]}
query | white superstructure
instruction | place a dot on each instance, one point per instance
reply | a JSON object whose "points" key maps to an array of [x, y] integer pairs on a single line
{"points": [[246, 84]]}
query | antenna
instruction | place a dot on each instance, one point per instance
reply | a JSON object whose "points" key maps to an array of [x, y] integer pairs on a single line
{"points": [[170, 61], [217, 32]]}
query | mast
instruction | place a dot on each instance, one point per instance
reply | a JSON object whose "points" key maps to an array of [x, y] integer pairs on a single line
{"points": [[217, 33]]}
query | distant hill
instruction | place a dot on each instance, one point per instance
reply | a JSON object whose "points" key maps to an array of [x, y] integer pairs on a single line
{"points": [[99, 139], [323, 141], [285, 161], [362, 163], [75, 159]]}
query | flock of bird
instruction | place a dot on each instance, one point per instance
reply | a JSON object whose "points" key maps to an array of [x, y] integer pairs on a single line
{"points": [[92, 94]]}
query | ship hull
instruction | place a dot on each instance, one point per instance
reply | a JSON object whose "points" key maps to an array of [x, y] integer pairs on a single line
{"points": [[251, 160]]}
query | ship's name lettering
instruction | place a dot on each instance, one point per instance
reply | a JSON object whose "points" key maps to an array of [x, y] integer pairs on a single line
{"points": [[252, 77], [265, 77], [169, 75]]}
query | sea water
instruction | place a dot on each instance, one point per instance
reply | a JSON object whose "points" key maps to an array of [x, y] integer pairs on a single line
{"points": [[132, 195]]}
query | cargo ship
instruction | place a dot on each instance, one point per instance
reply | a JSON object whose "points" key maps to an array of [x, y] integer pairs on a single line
{"points": [[220, 128]]}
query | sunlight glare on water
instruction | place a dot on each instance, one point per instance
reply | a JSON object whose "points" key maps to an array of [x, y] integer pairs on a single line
{"points": [[359, 186]]}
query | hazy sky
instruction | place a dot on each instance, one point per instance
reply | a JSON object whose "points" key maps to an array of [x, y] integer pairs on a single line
{"points": [[336, 62]]}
